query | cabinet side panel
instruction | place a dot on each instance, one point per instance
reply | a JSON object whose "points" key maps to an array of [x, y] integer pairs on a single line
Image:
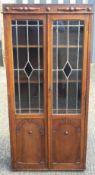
{"points": [[9, 73], [88, 82]]}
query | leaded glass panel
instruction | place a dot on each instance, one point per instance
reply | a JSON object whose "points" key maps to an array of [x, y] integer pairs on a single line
{"points": [[68, 37], [27, 39]]}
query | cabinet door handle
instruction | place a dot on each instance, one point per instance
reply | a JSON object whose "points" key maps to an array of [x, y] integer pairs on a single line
{"points": [[66, 132], [30, 132]]}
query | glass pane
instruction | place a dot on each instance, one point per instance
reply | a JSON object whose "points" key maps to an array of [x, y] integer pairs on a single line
{"points": [[33, 52], [22, 35], [28, 65], [67, 66], [61, 53], [22, 55], [24, 95], [15, 58], [33, 34], [61, 29], [73, 56], [81, 35], [73, 35], [14, 35], [36, 90]]}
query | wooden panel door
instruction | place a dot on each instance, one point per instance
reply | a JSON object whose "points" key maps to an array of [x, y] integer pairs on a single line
{"points": [[27, 89], [66, 136], [30, 142], [67, 90]]}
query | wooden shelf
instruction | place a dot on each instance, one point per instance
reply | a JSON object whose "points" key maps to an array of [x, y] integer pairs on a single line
{"points": [[41, 46], [60, 81], [65, 81], [25, 46], [65, 46]]}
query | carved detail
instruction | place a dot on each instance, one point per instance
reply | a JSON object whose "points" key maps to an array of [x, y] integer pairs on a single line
{"points": [[63, 9], [22, 123], [72, 122], [80, 8], [33, 9], [25, 8], [74, 9], [7, 8], [89, 9], [48, 8]]}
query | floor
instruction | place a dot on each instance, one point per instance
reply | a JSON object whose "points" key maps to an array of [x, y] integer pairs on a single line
{"points": [[5, 166]]}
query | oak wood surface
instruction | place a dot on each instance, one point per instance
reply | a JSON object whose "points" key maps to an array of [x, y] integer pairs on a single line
{"points": [[48, 141]]}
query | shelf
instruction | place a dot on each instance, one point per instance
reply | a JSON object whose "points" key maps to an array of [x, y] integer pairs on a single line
{"points": [[29, 46], [31, 81], [69, 81], [60, 81], [54, 46], [66, 46]]}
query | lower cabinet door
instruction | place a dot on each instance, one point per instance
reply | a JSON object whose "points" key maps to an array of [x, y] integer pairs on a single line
{"points": [[30, 135], [66, 141]]}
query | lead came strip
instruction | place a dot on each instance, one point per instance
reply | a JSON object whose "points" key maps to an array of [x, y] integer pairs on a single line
{"points": [[28, 61], [18, 68], [57, 71], [38, 66], [77, 67], [67, 60]]}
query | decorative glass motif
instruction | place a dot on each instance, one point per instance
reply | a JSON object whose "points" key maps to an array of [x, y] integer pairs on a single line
{"points": [[28, 69], [67, 69]]}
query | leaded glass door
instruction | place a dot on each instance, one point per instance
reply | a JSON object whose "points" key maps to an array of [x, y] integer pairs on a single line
{"points": [[29, 73], [67, 87]]}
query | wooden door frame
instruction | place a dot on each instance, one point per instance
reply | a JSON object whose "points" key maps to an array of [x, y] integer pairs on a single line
{"points": [[13, 116], [82, 115]]}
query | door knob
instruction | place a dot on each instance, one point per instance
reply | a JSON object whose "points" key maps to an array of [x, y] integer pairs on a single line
{"points": [[66, 132], [30, 132]]}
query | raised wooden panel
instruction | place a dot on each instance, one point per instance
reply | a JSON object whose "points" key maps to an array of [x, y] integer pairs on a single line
{"points": [[30, 141], [66, 141]]}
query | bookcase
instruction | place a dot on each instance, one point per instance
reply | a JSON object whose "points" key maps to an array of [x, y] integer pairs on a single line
{"points": [[47, 51]]}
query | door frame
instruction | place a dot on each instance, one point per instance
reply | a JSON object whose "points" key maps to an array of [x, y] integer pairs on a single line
{"points": [[82, 115], [13, 116]]}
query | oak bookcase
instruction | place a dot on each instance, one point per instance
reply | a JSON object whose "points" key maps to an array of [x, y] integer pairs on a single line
{"points": [[47, 51]]}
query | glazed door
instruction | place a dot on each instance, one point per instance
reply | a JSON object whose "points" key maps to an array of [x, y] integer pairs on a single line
{"points": [[66, 90], [29, 84]]}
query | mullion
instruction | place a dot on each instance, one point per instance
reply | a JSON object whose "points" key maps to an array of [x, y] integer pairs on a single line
{"points": [[77, 67], [28, 61], [18, 67], [67, 60], [57, 70], [38, 65]]}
